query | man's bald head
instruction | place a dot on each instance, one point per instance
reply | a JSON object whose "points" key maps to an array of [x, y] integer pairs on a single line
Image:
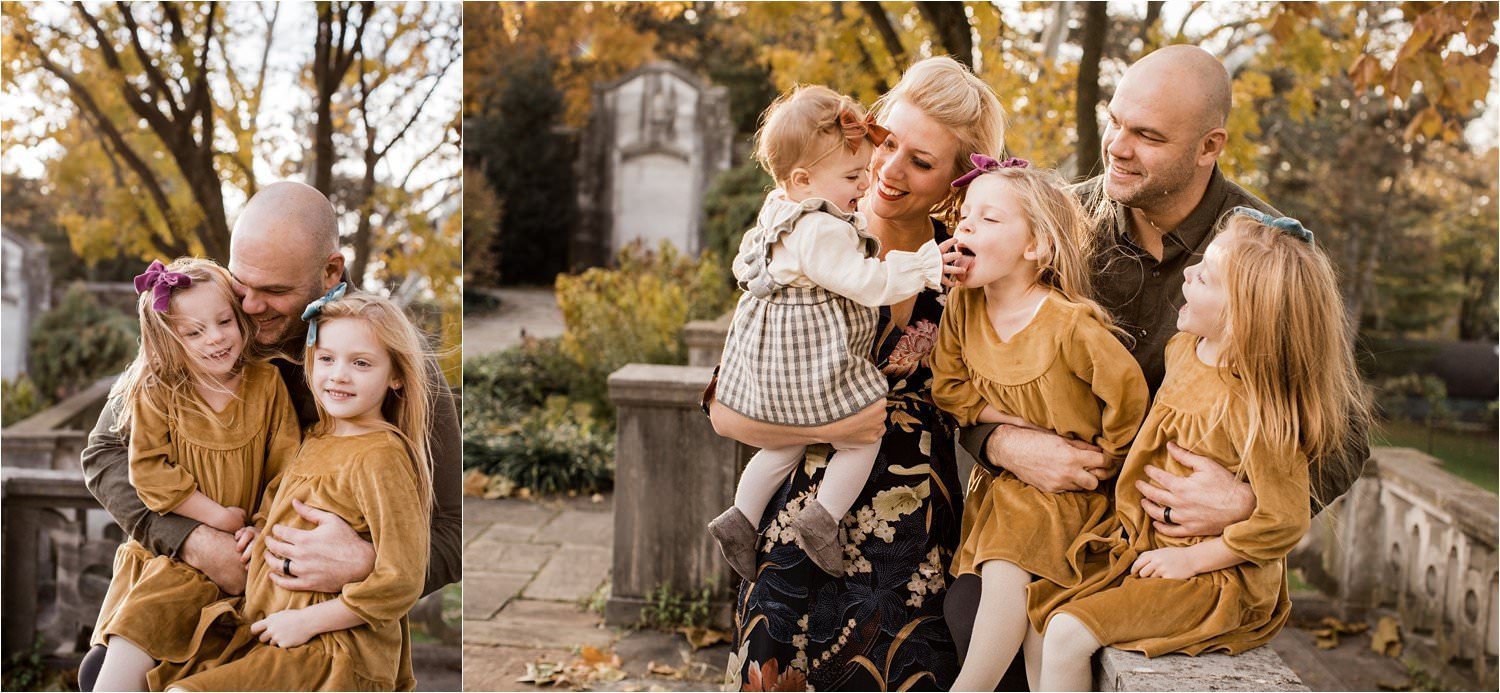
{"points": [[292, 216], [1193, 77], [283, 253]]}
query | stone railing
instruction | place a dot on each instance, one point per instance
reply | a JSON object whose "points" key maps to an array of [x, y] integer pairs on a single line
{"points": [[54, 437], [1412, 540], [672, 475], [58, 554]]}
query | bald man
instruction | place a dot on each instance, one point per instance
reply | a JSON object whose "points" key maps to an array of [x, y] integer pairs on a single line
{"points": [[1154, 210], [283, 254]]}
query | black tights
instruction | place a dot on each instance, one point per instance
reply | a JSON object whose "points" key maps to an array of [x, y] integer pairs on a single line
{"points": [[88, 669], [960, 605]]}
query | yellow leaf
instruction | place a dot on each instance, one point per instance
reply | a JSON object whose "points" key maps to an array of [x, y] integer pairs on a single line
{"points": [[475, 482], [1386, 638], [891, 504], [700, 638]]}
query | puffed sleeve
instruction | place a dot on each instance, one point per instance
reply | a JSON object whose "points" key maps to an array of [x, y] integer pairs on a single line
{"points": [[952, 389], [283, 438], [161, 484], [397, 514], [1119, 387], [1279, 481], [829, 253]]}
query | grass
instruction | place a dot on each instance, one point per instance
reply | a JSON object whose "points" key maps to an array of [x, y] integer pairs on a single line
{"points": [[1470, 456]]}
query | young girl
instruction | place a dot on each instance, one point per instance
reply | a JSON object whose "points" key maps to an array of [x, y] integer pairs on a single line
{"points": [[366, 461], [209, 427], [1021, 338], [798, 348], [1262, 379]]}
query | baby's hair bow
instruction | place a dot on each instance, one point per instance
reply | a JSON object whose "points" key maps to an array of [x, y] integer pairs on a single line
{"points": [[856, 129], [1287, 225], [160, 283], [984, 164], [315, 309]]}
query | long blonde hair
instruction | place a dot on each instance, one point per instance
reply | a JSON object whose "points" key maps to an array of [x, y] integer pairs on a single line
{"points": [[1290, 342], [406, 411], [946, 91], [162, 369], [1058, 224]]}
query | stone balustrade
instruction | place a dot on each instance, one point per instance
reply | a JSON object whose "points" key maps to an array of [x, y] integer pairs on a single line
{"points": [[54, 437], [1412, 540]]}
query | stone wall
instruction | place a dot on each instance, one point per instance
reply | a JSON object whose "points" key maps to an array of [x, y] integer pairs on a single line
{"points": [[1412, 540]]}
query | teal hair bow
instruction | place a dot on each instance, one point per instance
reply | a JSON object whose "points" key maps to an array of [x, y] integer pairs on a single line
{"points": [[314, 309], [1287, 225]]}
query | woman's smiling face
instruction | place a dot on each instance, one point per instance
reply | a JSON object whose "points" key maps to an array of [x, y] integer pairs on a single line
{"points": [[913, 168]]}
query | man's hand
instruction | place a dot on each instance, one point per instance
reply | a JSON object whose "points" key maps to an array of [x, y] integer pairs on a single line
{"points": [[323, 559], [1047, 461], [288, 628], [865, 427], [215, 553], [1203, 503]]}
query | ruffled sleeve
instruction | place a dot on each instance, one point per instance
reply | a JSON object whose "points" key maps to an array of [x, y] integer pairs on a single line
{"points": [[1119, 387], [398, 514], [829, 252], [952, 387], [161, 484]]}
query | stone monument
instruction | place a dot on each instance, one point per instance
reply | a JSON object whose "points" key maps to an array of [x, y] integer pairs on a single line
{"points": [[27, 294], [655, 139]]}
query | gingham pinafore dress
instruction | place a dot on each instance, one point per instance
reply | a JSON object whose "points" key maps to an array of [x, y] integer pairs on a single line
{"points": [[796, 356]]}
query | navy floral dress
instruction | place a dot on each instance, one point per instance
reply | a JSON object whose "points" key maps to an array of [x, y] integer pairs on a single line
{"points": [[880, 626]]}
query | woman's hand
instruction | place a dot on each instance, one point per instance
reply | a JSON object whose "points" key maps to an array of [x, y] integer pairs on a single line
{"points": [[288, 628], [1203, 503], [1172, 563], [243, 540], [323, 559], [865, 427]]}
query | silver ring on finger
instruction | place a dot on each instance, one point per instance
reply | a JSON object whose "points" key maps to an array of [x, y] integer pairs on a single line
{"points": [[1166, 515]]}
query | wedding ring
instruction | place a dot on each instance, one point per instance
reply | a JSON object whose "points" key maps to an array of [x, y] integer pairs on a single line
{"points": [[286, 567], [1166, 515]]}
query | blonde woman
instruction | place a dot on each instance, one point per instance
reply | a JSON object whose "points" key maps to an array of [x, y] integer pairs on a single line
{"points": [[880, 624]]}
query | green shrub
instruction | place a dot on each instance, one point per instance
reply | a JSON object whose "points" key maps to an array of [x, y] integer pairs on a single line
{"points": [[79, 342], [18, 400], [635, 313], [554, 448], [506, 384], [730, 206]]}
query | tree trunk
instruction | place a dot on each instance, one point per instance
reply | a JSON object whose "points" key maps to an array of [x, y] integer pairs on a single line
{"points": [[865, 59], [951, 23], [887, 32], [1095, 27], [330, 63]]}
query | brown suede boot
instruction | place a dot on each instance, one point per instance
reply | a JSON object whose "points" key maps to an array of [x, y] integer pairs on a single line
{"points": [[817, 532], [737, 539]]}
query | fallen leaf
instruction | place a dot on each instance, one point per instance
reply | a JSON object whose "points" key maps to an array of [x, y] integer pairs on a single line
{"points": [[499, 487], [597, 498], [660, 669], [475, 482], [700, 638], [592, 656], [1386, 638]]}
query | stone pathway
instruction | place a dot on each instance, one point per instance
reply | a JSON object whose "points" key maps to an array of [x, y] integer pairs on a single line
{"points": [[531, 309], [532, 571]]}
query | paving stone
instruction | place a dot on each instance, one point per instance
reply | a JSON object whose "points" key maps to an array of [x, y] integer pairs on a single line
{"points": [[491, 553], [638, 649], [436, 667], [539, 624], [573, 574], [507, 511], [589, 528], [488, 668], [486, 593], [474, 529]]}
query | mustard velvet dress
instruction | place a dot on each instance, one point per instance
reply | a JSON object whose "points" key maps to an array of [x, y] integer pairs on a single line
{"points": [[1065, 372], [1201, 408], [154, 601], [368, 480]]}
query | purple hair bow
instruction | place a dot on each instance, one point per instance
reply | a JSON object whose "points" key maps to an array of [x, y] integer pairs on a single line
{"points": [[984, 164], [160, 283]]}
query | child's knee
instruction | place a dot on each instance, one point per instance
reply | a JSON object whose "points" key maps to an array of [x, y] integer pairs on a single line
{"points": [[1067, 635]]}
